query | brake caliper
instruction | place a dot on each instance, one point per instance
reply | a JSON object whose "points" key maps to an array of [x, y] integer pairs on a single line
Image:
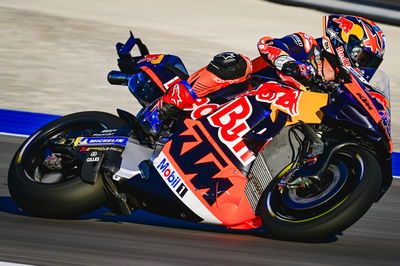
{"points": [[53, 162]]}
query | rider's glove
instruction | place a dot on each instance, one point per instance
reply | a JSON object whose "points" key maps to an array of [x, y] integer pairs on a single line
{"points": [[301, 71]]}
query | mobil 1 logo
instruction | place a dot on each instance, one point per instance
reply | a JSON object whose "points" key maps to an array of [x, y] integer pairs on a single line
{"points": [[171, 177]]}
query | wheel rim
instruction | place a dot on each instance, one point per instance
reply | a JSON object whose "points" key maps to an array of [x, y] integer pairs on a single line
{"points": [[36, 150], [334, 178], [346, 171]]}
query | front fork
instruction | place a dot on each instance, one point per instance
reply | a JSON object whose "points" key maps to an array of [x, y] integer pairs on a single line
{"points": [[310, 172], [302, 173]]}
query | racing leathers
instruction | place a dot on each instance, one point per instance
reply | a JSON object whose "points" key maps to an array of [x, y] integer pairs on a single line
{"points": [[225, 75], [297, 58], [301, 62]]}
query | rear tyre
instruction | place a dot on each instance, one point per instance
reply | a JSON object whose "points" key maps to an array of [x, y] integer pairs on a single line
{"points": [[62, 194], [353, 184]]}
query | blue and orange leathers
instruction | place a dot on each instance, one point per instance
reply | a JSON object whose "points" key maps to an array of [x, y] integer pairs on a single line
{"points": [[298, 47]]}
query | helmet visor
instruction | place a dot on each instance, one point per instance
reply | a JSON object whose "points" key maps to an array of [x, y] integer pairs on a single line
{"points": [[368, 59], [361, 56]]}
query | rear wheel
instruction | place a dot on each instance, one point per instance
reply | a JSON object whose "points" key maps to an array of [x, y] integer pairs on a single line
{"points": [[56, 193], [350, 184]]}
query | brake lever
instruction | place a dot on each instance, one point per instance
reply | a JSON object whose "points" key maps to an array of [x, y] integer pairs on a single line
{"points": [[320, 85]]}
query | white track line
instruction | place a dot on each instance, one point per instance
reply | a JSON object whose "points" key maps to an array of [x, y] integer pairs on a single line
{"points": [[14, 135], [4, 263]]}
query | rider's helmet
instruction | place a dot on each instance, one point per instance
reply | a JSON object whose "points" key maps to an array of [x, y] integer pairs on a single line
{"points": [[356, 41]]}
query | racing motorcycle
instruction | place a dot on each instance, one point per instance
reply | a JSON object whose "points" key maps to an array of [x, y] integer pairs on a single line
{"points": [[305, 164]]}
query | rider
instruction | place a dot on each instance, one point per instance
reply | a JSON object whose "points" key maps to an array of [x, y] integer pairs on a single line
{"points": [[226, 75], [299, 60], [347, 41]]}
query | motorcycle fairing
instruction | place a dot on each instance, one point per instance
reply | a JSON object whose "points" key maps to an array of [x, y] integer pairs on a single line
{"points": [[258, 112], [356, 106], [153, 194], [212, 159], [379, 97], [383, 105], [299, 105], [208, 173], [179, 187], [359, 92]]}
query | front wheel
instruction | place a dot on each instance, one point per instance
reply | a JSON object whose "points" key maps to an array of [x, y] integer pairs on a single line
{"points": [[57, 193], [351, 183]]}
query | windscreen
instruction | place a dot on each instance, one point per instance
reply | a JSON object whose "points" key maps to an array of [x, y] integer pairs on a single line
{"points": [[381, 82]]}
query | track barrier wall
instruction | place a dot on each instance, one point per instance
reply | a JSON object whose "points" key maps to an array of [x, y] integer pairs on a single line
{"points": [[384, 11]]}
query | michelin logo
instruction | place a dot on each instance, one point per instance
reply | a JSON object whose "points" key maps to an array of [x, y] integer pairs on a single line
{"points": [[171, 177], [101, 141]]}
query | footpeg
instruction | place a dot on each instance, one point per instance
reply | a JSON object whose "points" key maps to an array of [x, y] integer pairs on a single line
{"points": [[120, 198], [123, 205]]}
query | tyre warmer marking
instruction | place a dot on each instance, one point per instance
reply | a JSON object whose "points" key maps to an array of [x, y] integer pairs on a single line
{"points": [[178, 186]]}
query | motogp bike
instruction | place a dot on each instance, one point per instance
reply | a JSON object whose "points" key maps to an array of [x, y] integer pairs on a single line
{"points": [[305, 164]]}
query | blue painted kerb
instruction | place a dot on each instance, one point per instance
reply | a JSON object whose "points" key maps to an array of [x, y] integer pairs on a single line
{"points": [[22, 123]]}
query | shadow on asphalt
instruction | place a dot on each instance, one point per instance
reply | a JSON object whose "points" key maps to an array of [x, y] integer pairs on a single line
{"points": [[7, 205], [140, 217]]}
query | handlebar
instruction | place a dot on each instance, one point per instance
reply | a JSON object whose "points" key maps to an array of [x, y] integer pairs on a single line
{"points": [[118, 78]]}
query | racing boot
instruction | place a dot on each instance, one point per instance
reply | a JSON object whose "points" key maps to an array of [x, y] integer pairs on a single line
{"points": [[159, 119]]}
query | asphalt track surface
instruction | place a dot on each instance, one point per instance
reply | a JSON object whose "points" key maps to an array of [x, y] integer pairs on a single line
{"points": [[54, 59], [145, 239]]}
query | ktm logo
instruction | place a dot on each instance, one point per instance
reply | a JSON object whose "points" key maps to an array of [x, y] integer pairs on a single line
{"points": [[202, 161], [364, 100]]}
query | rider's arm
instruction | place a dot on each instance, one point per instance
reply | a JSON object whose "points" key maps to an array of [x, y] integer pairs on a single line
{"points": [[289, 54], [293, 47]]}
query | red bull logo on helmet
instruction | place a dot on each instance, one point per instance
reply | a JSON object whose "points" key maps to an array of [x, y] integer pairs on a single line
{"points": [[343, 58], [345, 24], [349, 28]]}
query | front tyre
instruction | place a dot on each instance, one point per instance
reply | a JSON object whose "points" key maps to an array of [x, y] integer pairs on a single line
{"points": [[62, 193], [352, 183]]}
